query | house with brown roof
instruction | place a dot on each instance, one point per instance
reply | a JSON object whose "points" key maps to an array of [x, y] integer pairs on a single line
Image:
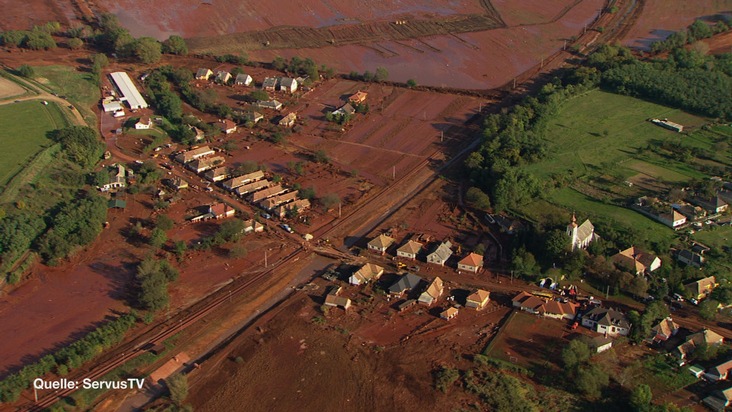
{"points": [[434, 291], [471, 263], [216, 174], [252, 225], [337, 301], [144, 123], [221, 210], [449, 313], [409, 250], [194, 154], [203, 164], [637, 261], [269, 104], [226, 126], [260, 195], [289, 120], [203, 74], [672, 219], [237, 181], [274, 201], [705, 336], [529, 303], [358, 97], [380, 243], [606, 321], [298, 205], [719, 372], [366, 274], [223, 77], [560, 310], [662, 331], [251, 187], [701, 288], [478, 299]]}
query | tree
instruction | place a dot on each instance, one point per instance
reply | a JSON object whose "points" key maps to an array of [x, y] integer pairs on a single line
{"points": [[411, 83], [723, 294], [147, 50], [80, 144], [575, 354], [445, 377], [180, 248], [12, 38], [279, 63], [330, 200], [157, 238], [638, 286], [381, 74], [477, 198], [26, 71], [591, 380], [321, 156], [75, 43], [307, 193], [258, 95], [175, 45], [524, 263], [178, 388], [556, 244], [153, 277], [640, 398], [708, 309], [699, 30], [38, 39], [164, 222]]}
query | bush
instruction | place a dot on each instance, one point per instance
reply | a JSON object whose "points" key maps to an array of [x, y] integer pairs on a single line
{"points": [[445, 377], [26, 71]]}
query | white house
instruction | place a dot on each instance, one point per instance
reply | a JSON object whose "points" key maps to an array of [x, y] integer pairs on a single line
{"points": [[243, 79], [288, 84], [606, 321], [144, 123], [441, 253], [409, 250], [380, 243]]}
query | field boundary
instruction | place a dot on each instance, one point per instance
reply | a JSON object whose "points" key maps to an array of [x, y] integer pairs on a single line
{"points": [[28, 173], [506, 321]]}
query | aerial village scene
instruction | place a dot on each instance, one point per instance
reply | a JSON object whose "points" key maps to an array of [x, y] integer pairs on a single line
{"points": [[464, 205]]}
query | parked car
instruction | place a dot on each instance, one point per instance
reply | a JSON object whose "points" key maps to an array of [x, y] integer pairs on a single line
{"points": [[287, 228]]}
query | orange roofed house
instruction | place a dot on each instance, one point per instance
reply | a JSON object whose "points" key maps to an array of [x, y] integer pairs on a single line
{"points": [[358, 97], [471, 263], [221, 210], [226, 126], [529, 303], [478, 299], [637, 261]]}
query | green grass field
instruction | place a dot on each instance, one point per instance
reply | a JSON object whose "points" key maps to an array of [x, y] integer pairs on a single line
{"points": [[23, 128], [79, 88], [598, 130]]}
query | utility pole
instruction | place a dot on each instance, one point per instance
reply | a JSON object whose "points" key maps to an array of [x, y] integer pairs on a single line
{"points": [[393, 172], [339, 210], [542, 63], [565, 45], [442, 136], [265, 258], [514, 82], [607, 291], [35, 393]]}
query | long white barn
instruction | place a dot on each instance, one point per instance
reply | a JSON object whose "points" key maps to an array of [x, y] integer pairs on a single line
{"points": [[129, 91]]}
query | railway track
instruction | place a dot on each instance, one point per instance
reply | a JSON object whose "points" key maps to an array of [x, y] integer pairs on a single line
{"points": [[167, 329]]}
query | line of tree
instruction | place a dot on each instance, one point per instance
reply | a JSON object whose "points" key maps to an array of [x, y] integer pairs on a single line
{"points": [[688, 79], [68, 358], [38, 38], [380, 75], [698, 30]]}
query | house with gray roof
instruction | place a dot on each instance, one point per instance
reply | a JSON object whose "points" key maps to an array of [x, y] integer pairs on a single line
{"points": [[405, 283], [441, 253], [606, 321]]}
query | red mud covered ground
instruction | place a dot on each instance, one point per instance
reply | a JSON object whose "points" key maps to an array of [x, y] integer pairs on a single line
{"points": [[215, 17], [478, 60], [662, 17]]}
